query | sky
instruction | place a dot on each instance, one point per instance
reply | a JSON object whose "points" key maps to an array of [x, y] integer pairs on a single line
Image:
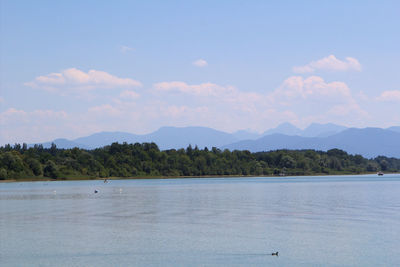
{"points": [[73, 68]]}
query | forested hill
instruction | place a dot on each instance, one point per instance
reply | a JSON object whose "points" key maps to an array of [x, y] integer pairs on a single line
{"points": [[146, 160]]}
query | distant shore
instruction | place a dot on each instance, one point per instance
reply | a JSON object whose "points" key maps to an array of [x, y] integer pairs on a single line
{"points": [[45, 179]]}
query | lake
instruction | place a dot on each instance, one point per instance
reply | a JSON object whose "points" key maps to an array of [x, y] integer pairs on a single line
{"points": [[311, 221]]}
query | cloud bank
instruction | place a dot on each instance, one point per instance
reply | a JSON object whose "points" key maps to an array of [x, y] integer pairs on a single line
{"points": [[299, 100], [329, 63], [77, 81]]}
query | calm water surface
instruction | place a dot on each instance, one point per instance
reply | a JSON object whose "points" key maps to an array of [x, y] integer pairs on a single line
{"points": [[311, 221]]}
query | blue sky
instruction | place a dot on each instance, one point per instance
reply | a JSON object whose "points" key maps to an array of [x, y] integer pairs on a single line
{"points": [[72, 68]]}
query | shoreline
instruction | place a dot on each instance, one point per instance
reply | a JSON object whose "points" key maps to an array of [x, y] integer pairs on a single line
{"points": [[43, 179]]}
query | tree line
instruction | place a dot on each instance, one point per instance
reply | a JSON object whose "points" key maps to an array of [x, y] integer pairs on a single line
{"points": [[147, 160]]}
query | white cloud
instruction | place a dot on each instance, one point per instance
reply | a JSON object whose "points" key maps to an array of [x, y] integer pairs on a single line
{"points": [[200, 63], [129, 95], [390, 96], [330, 63], [124, 49], [297, 86], [298, 99], [204, 89], [79, 81], [211, 94], [313, 96]]}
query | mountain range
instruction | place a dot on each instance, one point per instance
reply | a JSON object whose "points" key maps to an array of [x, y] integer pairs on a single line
{"points": [[165, 138], [368, 142]]}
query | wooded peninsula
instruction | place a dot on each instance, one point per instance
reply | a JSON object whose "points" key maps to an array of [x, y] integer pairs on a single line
{"points": [[19, 162]]}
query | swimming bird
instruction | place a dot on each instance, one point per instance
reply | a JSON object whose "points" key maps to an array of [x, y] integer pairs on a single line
{"points": [[95, 191], [275, 253]]}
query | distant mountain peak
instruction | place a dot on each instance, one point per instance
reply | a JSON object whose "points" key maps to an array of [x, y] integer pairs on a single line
{"points": [[322, 129], [284, 128]]}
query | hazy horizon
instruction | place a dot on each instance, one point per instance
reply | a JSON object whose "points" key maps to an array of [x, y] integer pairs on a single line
{"points": [[70, 69]]}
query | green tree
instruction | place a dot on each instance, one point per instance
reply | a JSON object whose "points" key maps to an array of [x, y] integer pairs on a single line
{"points": [[3, 174], [384, 165], [288, 162], [13, 161], [35, 166], [51, 170], [371, 167]]}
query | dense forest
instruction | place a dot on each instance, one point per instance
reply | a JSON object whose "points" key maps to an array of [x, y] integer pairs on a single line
{"points": [[146, 160]]}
